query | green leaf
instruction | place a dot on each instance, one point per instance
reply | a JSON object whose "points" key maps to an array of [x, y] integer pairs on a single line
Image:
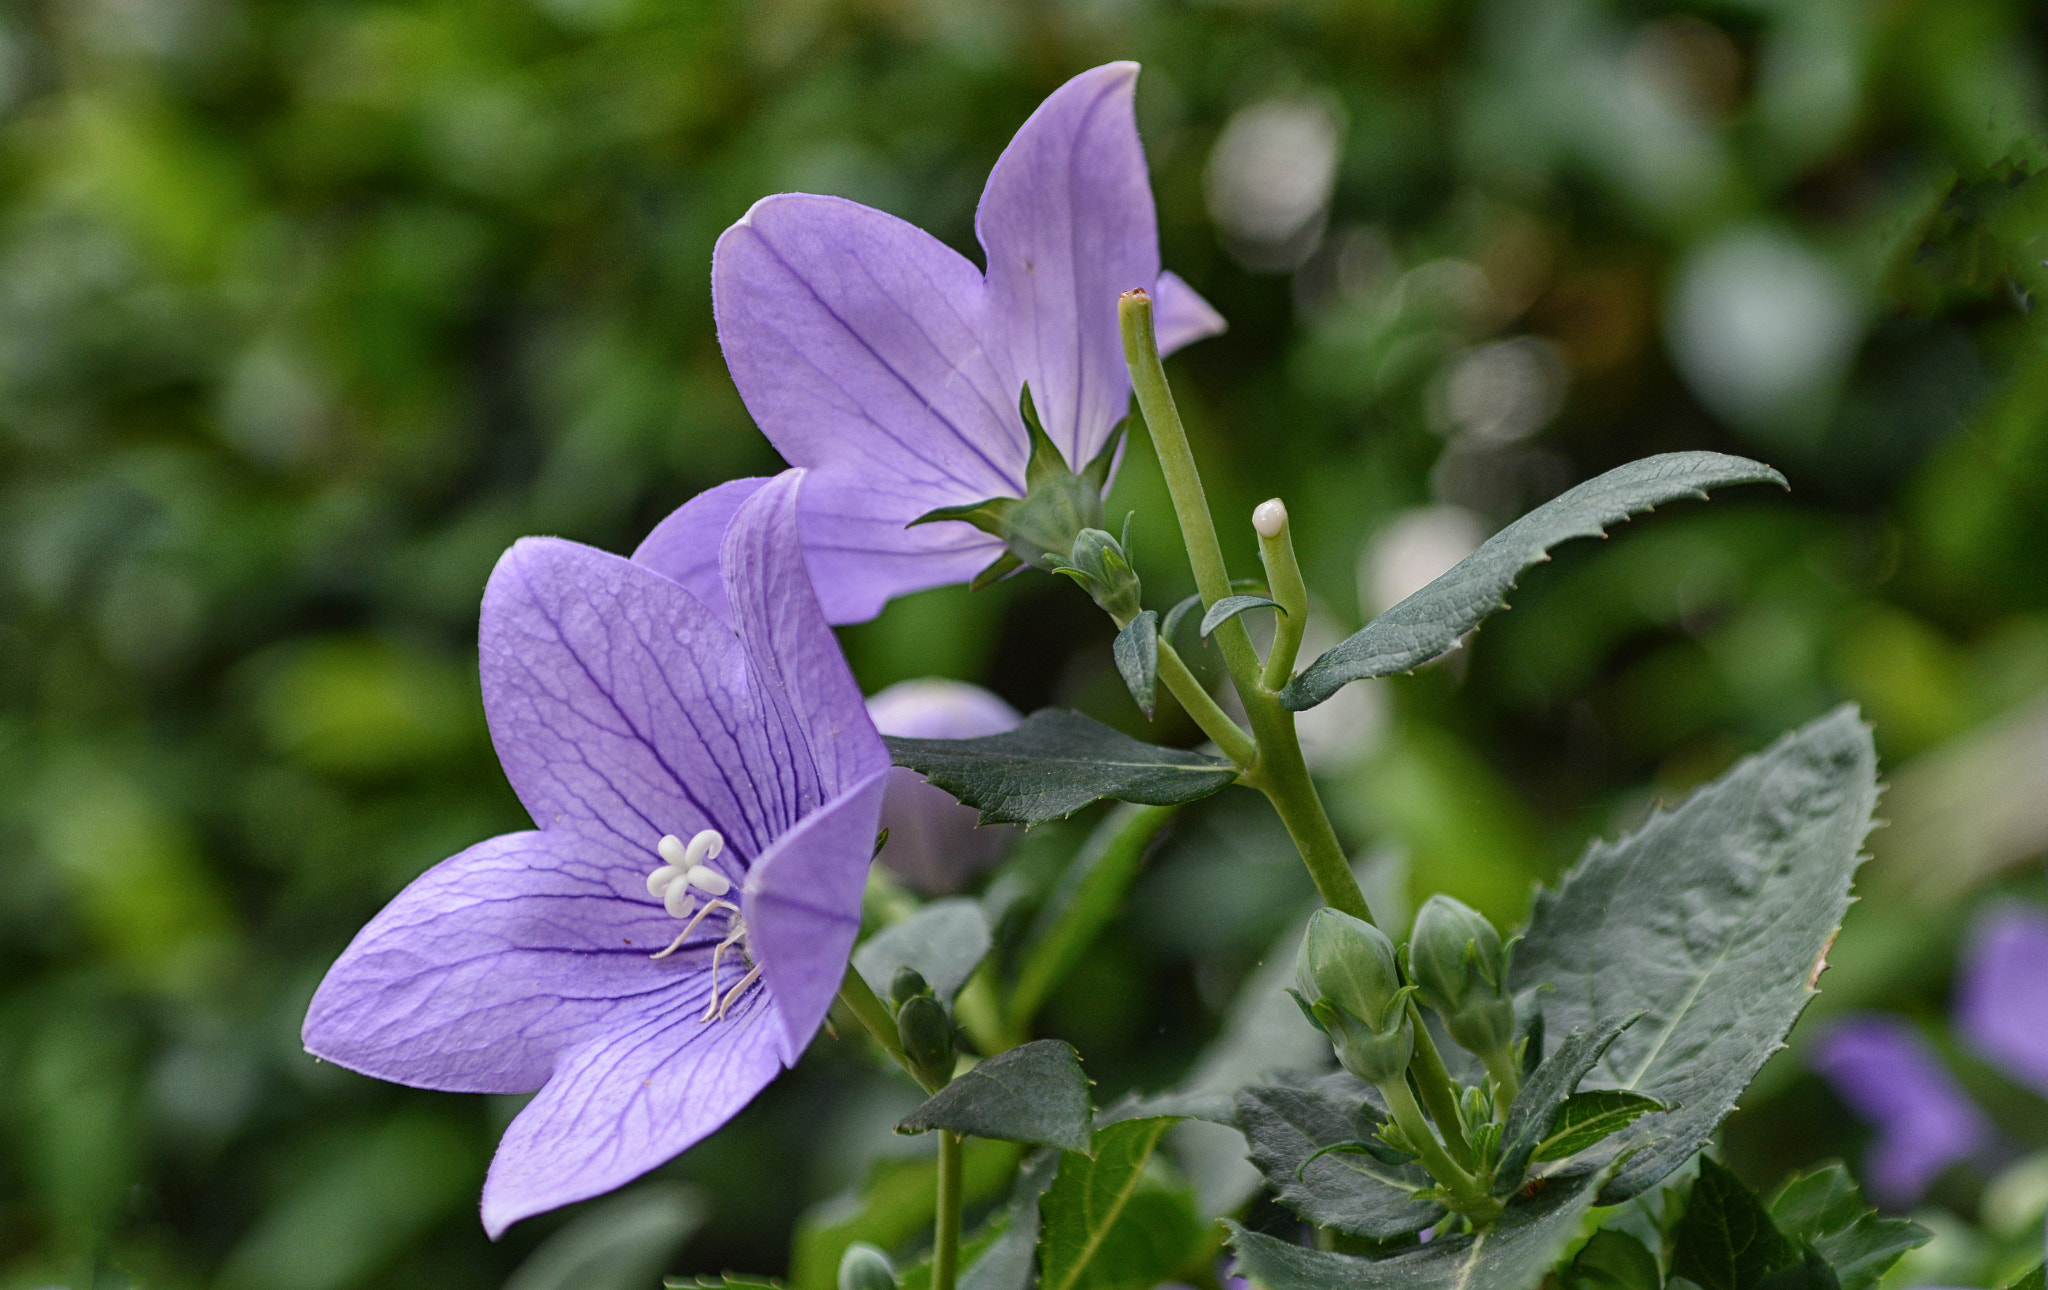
{"points": [[1811, 1272], [1613, 1260], [1179, 611], [620, 1243], [892, 1206], [1137, 659], [1514, 1254], [1056, 763], [1287, 1125], [1586, 1118], [1230, 607], [1034, 1093], [1215, 1107], [1434, 619], [1712, 921], [1824, 1209], [1104, 1225], [945, 941], [1726, 1240], [1544, 1093], [2035, 1280], [1008, 1261]]}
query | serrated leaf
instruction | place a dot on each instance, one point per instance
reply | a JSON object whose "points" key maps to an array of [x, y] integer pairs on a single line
{"points": [[1824, 1209], [1056, 763], [1085, 1209], [1137, 659], [1286, 1125], [1544, 1093], [1434, 619], [1009, 1261], [1586, 1118], [945, 941], [1514, 1254], [1613, 1260], [1034, 1093], [1214, 1107], [1230, 607], [1726, 1240], [1711, 920]]}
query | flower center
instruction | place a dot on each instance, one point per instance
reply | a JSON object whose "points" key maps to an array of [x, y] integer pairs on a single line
{"points": [[682, 877]]}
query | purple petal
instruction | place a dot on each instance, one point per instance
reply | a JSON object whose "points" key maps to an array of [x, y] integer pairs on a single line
{"points": [[802, 905], [1068, 224], [2002, 998], [934, 843], [632, 1099], [1180, 316], [1890, 1076], [821, 732], [622, 710], [479, 974], [685, 547]]}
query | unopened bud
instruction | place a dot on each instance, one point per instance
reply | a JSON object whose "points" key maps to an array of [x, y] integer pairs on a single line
{"points": [[1351, 984], [1270, 518], [863, 1267], [1459, 966], [1098, 562], [908, 984], [927, 1035]]}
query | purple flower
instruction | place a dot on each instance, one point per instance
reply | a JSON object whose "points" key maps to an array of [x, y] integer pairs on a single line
{"points": [[1889, 1075], [888, 364], [2001, 1006], [672, 934], [934, 844]]}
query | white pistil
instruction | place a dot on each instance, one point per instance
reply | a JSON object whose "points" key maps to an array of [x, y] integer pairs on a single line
{"points": [[684, 874]]}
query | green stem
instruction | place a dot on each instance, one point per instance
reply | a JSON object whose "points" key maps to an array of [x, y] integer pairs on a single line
{"points": [[1507, 1079], [1283, 579], [1439, 1091], [1467, 1195], [1282, 775], [946, 1231], [1214, 721], [1183, 481]]}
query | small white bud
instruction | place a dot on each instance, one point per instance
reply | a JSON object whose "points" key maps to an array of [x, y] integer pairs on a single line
{"points": [[672, 850], [709, 881], [1270, 518]]}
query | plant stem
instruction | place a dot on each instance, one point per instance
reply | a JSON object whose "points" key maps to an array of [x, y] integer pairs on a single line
{"points": [[1283, 777], [1283, 579], [1214, 721], [946, 1230], [1467, 1195], [1183, 481], [1439, 1091], [1507, 1079]]}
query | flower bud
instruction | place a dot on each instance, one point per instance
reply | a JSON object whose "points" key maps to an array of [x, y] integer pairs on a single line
{"points": [[863, 1267], [909, 984], [1098, 562], [934, 845], [927, 1035], [1459, 967], [1351, 983]]}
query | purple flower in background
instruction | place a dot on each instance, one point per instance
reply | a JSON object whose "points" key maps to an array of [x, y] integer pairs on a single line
{"points": [[671, 935], [934, 844], [891, 367], [2001, 1006], [1891, 1076]]}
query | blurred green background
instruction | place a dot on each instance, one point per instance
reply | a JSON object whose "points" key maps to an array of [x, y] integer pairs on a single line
{"points": [[308, 308]]}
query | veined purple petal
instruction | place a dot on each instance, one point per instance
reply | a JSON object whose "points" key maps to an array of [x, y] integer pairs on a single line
{"points": [[685, 547], [2002, 997], [1068, 224], [632, 1098], [483, 970], [1180, 316], [1889, 1075], [622, 710], [935, 844], [802, 903]]}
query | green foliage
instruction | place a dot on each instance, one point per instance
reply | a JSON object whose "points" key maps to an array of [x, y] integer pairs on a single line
{"points": [[1136, 651], [1825, 1210], [1590, 1116], [1711, 921], [1230, 607], [1034, 1093], [1435, 618], [943, 943], [1515, 1254], [1613, 1260], [622, 1244], [1056, 763], [1111, 1220], [1292, 1132], [1545, 1092], [891, 1206], [1009, 1260]]}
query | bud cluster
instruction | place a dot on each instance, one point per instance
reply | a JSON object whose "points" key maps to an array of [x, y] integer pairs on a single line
{"points": [[924, 1028]]}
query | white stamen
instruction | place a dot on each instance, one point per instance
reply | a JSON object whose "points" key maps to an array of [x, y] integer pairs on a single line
{"points": [[679, 900], [658, 881], [709, 844], [672, 850], [683, 876], [709, 881]]}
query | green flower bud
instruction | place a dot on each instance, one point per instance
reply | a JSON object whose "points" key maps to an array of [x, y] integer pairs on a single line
{"points": [[1459, 966], [927, 1035], [1351, 984], [1099, 564], [907, 985], [863, 1267]]}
